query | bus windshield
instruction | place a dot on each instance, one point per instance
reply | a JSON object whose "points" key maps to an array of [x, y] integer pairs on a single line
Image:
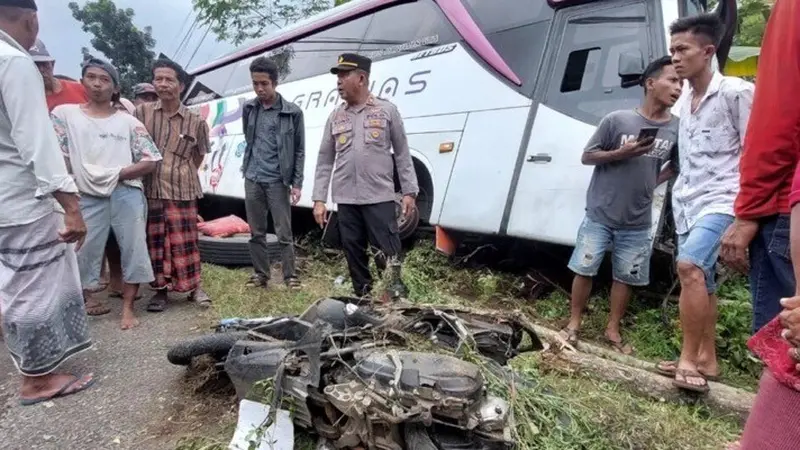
{"points": [[513, 31]]}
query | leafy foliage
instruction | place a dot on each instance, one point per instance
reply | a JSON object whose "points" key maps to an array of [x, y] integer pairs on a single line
{"points": [[753, 16], [237, 21], [127, 47]]}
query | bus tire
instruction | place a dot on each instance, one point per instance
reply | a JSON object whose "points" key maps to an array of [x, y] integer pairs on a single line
{"points": [[234, 250]]}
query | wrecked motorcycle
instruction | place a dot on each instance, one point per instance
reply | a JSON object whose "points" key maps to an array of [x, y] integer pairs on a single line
{"points": [[343, 370]]}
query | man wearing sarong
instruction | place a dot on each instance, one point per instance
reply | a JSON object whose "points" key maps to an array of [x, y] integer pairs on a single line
{"points": [[108, 152], [173, 189], [41, 303]]}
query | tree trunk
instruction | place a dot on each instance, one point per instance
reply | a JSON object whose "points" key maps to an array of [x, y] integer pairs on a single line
{"points": [[635, 375]]}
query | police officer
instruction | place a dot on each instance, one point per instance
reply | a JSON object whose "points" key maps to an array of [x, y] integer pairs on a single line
{"points": [[356, 151]]}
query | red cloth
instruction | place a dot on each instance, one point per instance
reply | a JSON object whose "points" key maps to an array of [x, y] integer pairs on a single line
{"points": [[71, 93], [224, 226], [772, 140], [774, 421], [771, 348], [794, 197], [172, 241]]}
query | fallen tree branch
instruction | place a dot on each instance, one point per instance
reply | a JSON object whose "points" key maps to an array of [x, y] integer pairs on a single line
{"points": [[553, 336], [635, 374]]}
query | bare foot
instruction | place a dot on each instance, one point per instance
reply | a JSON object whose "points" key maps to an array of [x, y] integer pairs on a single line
{"points": [[129, 320], [708, 365], [613, 335], [49, 386]]}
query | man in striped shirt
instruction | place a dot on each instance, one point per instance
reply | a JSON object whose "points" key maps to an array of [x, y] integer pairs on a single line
{"points": [[173, 189]]}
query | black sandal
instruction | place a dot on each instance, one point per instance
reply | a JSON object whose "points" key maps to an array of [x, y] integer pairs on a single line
{"points": [[256, 281], [118, 294], [157, 304]]}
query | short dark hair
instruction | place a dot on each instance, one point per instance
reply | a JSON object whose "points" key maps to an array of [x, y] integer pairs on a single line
{"points": [[708, 25], [654, 69], [262, 64], [163, 63]]}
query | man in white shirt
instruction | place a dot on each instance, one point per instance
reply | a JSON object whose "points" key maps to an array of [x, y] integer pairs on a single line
{"points": [[108, 152], [713, 120], [41, 303]]}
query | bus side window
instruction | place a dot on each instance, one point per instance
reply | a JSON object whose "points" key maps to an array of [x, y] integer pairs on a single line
{"points": [[581, 66], [585, 81], [405, 29]]}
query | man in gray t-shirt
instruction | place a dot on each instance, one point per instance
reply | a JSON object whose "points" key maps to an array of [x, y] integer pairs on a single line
{"points": [[620, 196]]}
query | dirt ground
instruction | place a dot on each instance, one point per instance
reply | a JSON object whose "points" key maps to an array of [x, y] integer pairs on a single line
{"points": [[137, 397]]}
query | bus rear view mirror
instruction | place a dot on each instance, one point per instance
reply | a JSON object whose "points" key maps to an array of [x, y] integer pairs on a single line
{"points": [[630, 68]]}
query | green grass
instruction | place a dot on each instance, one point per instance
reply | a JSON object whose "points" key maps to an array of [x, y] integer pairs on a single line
{"points": [[563, 412]]}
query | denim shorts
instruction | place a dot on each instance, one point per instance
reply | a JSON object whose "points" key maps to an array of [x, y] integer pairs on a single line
{"points": [[701, 244], [630, 252], [125, 212]]}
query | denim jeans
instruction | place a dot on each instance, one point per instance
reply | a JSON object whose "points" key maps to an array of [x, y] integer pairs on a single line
{"points": [[701, 244], [630, 252], [771, 273]]}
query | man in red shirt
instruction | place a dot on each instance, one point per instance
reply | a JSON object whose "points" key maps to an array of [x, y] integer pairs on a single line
{"points": [[59, 92], [758, 240]]}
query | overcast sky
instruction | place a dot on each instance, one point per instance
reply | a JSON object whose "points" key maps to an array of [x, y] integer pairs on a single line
{"points": [[64, 38]]}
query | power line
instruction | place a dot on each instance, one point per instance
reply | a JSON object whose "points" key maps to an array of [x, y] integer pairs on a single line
{"points": [[199, 44], [186, 37], [180, 30]]}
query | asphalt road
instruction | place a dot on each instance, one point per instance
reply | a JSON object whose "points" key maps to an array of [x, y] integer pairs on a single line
{"points": [[135, 391]]}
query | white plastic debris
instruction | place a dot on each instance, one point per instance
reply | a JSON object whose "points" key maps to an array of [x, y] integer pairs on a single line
{"points": [[279, 435]]}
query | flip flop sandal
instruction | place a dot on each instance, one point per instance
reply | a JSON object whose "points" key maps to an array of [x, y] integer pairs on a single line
{"points": [[97, 308], [99, 288], [685, 374], [293, 284], [202, 300], [61, 392], [668, 368], [569, 335], [156, 305], [256, 282], [620, 346]]}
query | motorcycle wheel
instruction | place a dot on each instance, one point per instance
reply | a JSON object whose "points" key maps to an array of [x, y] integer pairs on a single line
{"points": [[217, 345]]}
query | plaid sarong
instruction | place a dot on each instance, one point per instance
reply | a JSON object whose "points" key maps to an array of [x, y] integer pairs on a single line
{"points": [[172, 241]]}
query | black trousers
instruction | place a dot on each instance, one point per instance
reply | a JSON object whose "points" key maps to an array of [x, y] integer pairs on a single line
{"points": [[362, 226]]}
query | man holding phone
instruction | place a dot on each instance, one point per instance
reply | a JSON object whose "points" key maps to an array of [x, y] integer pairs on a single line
{"points": [[629, 150]]}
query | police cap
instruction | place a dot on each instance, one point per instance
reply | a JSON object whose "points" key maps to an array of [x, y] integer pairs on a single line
{"points": [[351, 61]]}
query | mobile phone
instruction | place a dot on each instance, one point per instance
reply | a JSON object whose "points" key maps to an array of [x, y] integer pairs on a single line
{"points": [[647, 134]]}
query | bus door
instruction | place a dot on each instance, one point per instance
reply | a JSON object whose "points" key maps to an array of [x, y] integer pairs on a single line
{"points": [[592, 53]]}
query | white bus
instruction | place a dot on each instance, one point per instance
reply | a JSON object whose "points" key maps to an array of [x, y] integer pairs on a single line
{"points": [[498, 99]]}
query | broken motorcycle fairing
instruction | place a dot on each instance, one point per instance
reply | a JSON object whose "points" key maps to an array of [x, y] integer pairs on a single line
{"points": [[342, 370]]}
